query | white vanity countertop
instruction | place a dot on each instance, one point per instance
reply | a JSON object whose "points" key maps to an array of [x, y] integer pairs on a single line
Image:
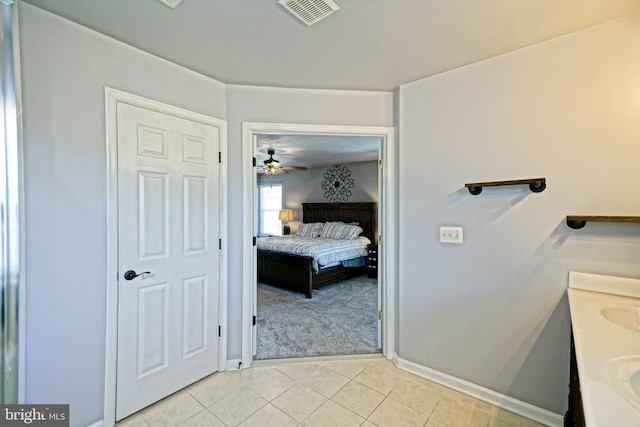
{"points": [[605, 351]]}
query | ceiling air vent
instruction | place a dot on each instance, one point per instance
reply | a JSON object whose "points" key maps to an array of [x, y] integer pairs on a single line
{"points": [[171, 3], [309, 11]]}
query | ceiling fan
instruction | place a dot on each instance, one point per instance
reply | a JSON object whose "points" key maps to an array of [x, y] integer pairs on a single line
{"points": [[273, 167]]}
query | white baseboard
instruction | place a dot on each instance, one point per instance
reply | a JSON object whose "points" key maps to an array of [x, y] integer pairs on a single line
{"points": [[234, 364], [97, 424], [499, 400]]}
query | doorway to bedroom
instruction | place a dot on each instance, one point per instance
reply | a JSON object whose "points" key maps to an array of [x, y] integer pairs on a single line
{"points": [[334, 310], [343, 317]]}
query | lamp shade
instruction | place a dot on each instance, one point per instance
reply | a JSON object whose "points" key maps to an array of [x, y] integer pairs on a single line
{"points": [[285, 215]]}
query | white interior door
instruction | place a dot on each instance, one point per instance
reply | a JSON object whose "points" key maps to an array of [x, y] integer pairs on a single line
{"points": [[168, 225]]}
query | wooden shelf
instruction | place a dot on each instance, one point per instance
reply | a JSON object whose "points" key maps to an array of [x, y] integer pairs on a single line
{"points": [[578, 221], [536, 185]]}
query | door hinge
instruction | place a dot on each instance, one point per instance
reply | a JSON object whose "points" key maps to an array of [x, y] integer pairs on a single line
{"points": [[255, 320], [220, 244], [255, 240], [380, 164], [380, 239], [219, 157], [255, 162], [380, 316], [219, 331]]}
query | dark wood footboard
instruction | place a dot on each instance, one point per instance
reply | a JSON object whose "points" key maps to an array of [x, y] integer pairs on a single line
{"points": [[295, 272]]}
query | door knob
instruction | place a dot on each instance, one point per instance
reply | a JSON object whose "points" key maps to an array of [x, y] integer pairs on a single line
{"points": [[130, 274]]}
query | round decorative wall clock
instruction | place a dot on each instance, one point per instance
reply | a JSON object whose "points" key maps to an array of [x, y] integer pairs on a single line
{"points": [[337, 184]]}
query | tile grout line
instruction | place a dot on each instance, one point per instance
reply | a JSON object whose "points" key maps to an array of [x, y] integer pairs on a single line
{"points": [[247, 383], [328, 398]]}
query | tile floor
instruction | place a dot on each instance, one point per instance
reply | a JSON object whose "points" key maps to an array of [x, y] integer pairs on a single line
{"points": [[331, 392]]}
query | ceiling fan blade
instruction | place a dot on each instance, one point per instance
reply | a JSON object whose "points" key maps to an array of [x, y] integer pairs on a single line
{"points": [[272, 171], [274, 167]]}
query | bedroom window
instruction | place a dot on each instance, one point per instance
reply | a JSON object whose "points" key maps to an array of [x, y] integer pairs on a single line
{"points": [[270, 204]]}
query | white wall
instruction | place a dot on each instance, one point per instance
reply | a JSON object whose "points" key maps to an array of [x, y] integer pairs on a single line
{"points": [[493, 311], [306, 186], [279, 105], [64, 70]]}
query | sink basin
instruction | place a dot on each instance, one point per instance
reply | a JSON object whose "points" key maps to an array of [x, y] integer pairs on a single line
{"points": [[624, 376], [627, 317]]}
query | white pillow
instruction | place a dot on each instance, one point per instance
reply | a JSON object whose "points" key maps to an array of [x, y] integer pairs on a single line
{"points": [[309, 230], [340, 231]]}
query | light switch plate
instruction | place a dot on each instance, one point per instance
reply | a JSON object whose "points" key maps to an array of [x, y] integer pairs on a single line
{"points": [[451, 235]]}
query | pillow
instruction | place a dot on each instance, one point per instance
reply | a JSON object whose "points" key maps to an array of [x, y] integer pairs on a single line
{"points": [[340, 231], [305, 230], [355, 232], [309, 230]]}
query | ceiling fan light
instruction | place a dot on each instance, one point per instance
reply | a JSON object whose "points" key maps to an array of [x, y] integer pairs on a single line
{"points": [[269, 169], [271, 162], [273, 167]]}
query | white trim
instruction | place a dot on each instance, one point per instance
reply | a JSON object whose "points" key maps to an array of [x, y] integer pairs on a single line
{"points": [[248, 250], [499, 400], [97, 424], [224, 226], [388, 248], [387, 208], [112, 97]]}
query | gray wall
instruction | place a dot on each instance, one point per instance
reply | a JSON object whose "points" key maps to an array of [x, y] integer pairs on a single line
{"points": [[306, 186], [64, 70], [493, 311], [278, 105]]}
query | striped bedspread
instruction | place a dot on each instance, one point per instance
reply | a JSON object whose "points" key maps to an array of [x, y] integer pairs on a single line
{"points": [[325, 252]]}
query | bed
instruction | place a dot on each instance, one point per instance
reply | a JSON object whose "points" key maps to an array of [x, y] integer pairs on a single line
{"points": [[296, 272]]}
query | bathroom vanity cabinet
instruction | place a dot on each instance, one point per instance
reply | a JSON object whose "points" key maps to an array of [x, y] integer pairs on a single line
{"points": [[575, 414]]}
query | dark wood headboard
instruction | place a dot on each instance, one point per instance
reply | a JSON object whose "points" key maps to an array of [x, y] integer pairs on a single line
{"points": [[364, 213]]}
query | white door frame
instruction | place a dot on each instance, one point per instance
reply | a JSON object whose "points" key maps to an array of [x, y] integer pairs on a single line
{"points": [[112, 98], [387, 220]]}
